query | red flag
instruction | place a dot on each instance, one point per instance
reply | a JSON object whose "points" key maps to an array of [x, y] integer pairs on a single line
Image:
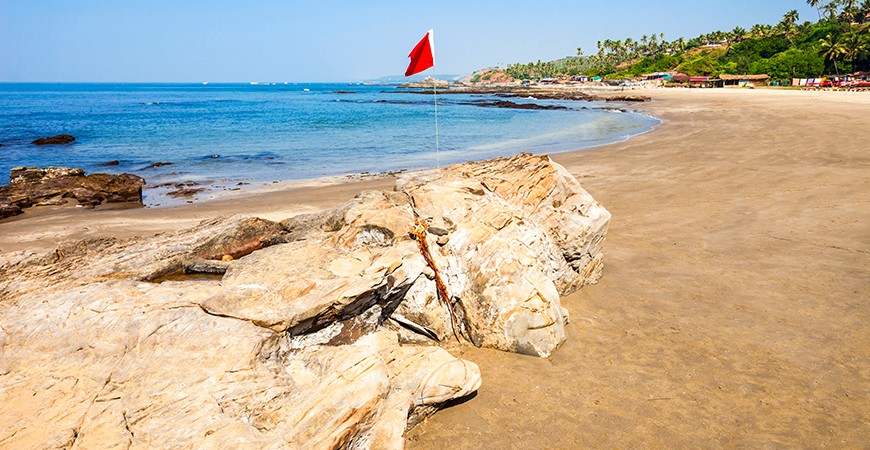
{"points": [[421, 56]]}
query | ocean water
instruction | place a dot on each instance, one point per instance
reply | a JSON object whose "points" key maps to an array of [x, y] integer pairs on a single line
{"points": [[243, 133]]}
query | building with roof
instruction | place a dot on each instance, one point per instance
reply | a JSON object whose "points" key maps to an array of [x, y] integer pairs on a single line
{"points": [[743, 80]]}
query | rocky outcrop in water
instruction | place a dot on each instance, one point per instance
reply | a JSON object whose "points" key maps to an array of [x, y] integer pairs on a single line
{"points": [[511, 105], [427, 83], [325, 330], [32, 186], [60, 139]]}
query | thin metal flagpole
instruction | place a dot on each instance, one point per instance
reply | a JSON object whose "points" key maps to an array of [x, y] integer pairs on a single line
{"points": [[435, 96]]}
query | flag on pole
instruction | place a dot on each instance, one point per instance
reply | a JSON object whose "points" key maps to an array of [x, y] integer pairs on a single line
{"points": [[421, 56]]}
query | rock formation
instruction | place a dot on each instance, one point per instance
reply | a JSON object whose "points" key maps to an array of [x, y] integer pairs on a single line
{"points": [[323, 331], [31, 186], [55, 140], [427, 83], [511, 105]]}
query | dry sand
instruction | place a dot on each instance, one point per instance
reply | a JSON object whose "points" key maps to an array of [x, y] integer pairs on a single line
{"points": [[733, 311]]}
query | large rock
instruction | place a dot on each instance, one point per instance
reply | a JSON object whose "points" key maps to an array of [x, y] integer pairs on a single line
{"points": [[55, 140], [524, 232], [32, 186], [323, 331]]}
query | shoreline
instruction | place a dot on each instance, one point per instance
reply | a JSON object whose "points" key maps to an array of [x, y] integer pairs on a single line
{"points": [[308, 195], [205, 169], [56, 224], [254, 188], [733, 304], [214, 191]]}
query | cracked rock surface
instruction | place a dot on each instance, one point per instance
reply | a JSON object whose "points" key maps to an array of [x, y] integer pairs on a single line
{"points": [[325, 330]]}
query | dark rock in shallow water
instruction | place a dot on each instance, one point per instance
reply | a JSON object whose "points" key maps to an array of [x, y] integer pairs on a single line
{"points": [[185, 192], [548, 95], [32, 186], [512, 105], [183, 184], [111, 163], [627, 98], [55, 140], [159, 164]]}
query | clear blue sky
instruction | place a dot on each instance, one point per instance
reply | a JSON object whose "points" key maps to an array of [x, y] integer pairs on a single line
{"points": [[219, 40]]}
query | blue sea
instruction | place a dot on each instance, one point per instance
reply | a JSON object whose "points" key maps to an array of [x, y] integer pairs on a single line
{"points": [[253, 134]]}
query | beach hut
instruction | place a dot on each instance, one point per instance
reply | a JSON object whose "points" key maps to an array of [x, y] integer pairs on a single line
{"points": [[704, 82], [658, 75], [744, 80]]}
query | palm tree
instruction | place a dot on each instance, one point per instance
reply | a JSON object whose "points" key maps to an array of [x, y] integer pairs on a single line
{"points": [[831, 10], [787, 25], [805, 27], [860, 13], [756, 31], [580, 52], [791, 17], [865, 12], [631, 47], [622, 50], [816, 4], [738, 34], [855, 43], [832, 49], [600, 55]]}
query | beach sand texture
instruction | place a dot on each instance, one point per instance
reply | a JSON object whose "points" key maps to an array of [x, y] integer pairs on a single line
{"points": [[733, 310]]}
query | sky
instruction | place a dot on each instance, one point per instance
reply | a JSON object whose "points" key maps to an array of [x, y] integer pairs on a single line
{"points": [[329, 41]]}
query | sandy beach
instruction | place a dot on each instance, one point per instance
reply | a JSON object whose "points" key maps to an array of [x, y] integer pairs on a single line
{"points": [[733, 307]]}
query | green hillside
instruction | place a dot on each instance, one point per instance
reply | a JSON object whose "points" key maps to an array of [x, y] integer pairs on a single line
{"points": [[839, 42]]}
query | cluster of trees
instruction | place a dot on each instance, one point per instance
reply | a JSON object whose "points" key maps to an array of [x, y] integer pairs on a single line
{"points": [[576, 65], [838, 43]]}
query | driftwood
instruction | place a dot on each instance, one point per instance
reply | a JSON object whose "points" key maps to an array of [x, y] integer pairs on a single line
{"points": [[418, 230]]}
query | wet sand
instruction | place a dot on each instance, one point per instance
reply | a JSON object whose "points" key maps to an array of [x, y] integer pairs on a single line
{"points": [[733, 310]]}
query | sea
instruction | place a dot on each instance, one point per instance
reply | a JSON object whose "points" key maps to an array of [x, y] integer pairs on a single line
{"points": [[250, 134]]}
